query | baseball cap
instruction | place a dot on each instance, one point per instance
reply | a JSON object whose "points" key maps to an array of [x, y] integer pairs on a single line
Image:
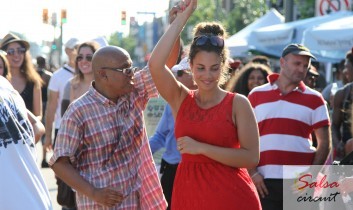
{"points": [[183, 65], [297, 49], [71, 44], [313, 71]]}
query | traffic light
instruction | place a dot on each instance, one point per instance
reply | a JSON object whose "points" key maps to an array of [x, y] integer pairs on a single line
{"points": [[63, 16], [123, 17], [45, 16], [53, 46]]}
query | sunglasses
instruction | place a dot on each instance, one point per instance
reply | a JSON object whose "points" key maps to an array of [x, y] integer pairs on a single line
{"points": [[215, 41], [126, 71], [80, 58], [19, 51], [181, 73]]}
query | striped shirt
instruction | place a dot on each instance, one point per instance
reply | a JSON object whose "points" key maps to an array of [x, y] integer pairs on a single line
{"points": [[285, 124], [108, 145]]}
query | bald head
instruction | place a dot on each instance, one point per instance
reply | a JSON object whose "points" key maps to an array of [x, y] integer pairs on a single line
{"points": [[110, 56], [108, 81]]}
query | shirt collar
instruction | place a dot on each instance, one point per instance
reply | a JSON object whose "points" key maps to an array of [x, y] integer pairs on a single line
{"points": [[272, 78], [99, 97], [105, 101]]}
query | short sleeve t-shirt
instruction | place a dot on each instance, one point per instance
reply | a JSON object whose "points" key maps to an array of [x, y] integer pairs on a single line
{"points": [[57, 84], [21, 183]]}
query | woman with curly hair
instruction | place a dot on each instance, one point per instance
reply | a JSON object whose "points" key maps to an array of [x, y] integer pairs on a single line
{"points": [[216, 130], [249, 76]]}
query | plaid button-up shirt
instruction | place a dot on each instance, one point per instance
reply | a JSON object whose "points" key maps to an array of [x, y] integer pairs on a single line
{"points": [[107, 143]]}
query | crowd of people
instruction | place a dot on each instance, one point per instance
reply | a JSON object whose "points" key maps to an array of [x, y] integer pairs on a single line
{"points": [[228, 129]]}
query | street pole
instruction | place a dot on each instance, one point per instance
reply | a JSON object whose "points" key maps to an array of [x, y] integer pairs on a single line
{"points": [[60, 48], [288, 8]]}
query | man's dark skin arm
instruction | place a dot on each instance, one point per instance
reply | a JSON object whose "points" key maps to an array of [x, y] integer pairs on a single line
{"points": [[66, 172], [337, 120]]}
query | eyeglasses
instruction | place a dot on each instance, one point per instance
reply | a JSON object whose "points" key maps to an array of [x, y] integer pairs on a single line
{"points": [[80, 58], [180, 73], [127, 71], [19, 51], [214, 40]]}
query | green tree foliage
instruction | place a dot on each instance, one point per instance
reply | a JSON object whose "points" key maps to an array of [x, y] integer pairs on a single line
{"points": [[206, 11], [306, 9], [128, 43], [243, 13]]}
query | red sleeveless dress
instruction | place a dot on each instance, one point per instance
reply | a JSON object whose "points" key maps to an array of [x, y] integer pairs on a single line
{"points": [[200, 182]]}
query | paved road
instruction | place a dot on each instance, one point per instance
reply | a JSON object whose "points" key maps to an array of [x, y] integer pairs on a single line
{"points": [[49, 177]]}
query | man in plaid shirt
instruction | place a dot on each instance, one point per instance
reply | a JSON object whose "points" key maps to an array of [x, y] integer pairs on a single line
{"points": [[102, 149]]}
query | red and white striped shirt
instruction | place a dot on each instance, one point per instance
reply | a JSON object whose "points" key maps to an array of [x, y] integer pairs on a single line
{"points": [[107, 143], [285, 124]]}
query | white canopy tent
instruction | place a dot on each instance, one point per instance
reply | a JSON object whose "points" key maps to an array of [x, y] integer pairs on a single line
{"points": [[331, 39], [272, 39], [238, 43]]}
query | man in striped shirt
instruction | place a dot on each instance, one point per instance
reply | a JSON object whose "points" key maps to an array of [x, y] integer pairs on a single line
{"points": [[287, 112], [102, 149]]}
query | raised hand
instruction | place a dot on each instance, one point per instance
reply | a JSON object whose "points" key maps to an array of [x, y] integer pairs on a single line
{"points": [[186, 7]]}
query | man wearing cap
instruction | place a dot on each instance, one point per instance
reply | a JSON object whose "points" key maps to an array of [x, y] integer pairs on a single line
{"points": [[311, 77], [287, 111], [55, 94], [56, 89], [164, 135]]}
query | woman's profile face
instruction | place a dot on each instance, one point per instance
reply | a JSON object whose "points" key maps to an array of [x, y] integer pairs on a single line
{"points": [[256, 78]]}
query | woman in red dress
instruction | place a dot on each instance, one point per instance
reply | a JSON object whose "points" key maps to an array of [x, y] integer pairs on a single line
{"points": [[216, 130]]}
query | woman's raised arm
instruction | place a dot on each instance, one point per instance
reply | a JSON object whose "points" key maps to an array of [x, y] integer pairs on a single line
{"points": [[167, 85]]}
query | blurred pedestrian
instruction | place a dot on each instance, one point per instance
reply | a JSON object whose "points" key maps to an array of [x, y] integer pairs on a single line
{"points": [[287, 112], [249, 76], [21, 182], [261, 59], [4, 66], [216, 130], [339, 81], [82, 80], [164, 135], [311, 77], [341, 113], [55, 94], [102, 149], [56, 90], [45, 75], [24, 77]]}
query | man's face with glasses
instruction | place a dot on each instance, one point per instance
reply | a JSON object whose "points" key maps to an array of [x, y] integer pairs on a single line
{"points": [[126, 71], [120, 79], [15, 54]]}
